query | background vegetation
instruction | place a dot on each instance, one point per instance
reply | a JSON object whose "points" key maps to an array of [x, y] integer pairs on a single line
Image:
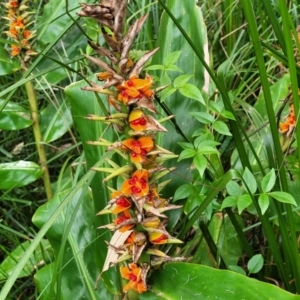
{"points": [[233, 75]]}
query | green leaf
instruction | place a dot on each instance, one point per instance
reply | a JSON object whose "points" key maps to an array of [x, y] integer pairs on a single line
{"points": [[237, 269], [283, 197], [14, 117], [19, 173], [181, 281], [200, 163], [214, 106], [264, 202], [181, 80], [207, 150], [173, 68], [199, 143], [185, 145], [221, 127], [234, 189], [172, 58], [77, 258], [43, 254], [55, 121], [243, 202], [268, 181], [189, 63], [167, 92], [8, 65], [155, 67], [191, 91], [183, 192], [229, 201], [203, 117], [279, 90], [89, 131], [227, 114], [250, 181], [187, 153], [255, 263]]}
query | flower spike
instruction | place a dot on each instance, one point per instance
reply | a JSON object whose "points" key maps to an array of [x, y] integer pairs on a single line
{"points": [[138, 210]]}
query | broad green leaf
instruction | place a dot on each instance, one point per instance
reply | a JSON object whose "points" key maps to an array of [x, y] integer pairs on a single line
{"points": [[234, 189], [154, 67], [268, 181], [283, 197], [167, 92], [185, 145], [255, 263], [181, 80], [199, 143], [55, 121], [279, 91], [221, 127], [8, 65], [77, 259], [187, 153], [203, 117], [224, 236], [200, 163], [189, 63], [243, 202], [173, 68], [250, 181], [55, 19], [90, 131], [19, 173], [229, 201], [172, 58], [227, 114], [264, 202], [14, 117], [207, 150], [237, 269], [194, 200], [214, 106], [183, 192], [191, 91], [183, 283], [43, 254]]}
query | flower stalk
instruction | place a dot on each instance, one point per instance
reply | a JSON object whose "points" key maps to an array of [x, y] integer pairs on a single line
{"points": [[136, 203], [18, 18]]}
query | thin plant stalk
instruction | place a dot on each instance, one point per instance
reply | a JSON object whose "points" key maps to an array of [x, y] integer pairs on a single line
{"points": [[38, 137]]}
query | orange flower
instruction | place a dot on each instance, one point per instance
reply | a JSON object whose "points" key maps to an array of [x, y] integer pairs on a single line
{"points": [[15, 50], [138, 148], [158, 238], [137, 120], [133, 273], [12, 32], [18, 23], [290, 122], [121, 204], [135, 88], [14, 3], [26, 34], [137, 184], [283, 127], [123, 217], [104, 76]]}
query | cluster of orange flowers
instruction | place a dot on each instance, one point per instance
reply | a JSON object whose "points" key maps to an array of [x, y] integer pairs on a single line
{"points": [[137, 205], [290, 122], [19, 20]]}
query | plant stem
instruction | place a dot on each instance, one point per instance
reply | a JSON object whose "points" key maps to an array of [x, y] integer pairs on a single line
{"points": [[38, 137]]}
